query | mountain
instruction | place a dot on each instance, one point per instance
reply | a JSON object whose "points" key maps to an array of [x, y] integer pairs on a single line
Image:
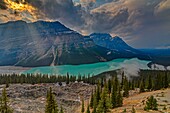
{"points": [[44, 43], [47, 43], [117, 45], [159, 56], [156, 56]]}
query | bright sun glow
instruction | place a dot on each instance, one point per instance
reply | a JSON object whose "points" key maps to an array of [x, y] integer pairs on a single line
{"points": [[19, 6]]}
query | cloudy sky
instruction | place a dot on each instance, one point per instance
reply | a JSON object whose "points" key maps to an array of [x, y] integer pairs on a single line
{"points": [[141, 23]]}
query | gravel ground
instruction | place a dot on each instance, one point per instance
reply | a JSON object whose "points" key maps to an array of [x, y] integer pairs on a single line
{"points": [[28, 98]]}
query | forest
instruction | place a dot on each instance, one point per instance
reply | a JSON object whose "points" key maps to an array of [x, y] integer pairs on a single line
{"points": [[108, 94]]}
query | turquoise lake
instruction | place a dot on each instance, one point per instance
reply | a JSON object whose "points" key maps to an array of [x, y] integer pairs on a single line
{"points": [[93, 69]]}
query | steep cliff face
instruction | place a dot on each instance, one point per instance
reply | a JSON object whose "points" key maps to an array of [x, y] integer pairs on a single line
{"points": [[46, 43]]}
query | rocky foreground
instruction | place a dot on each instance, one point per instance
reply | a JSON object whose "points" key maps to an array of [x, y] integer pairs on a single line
{"points": [[27, 98]]}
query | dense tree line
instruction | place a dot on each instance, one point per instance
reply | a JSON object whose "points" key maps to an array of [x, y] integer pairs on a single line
{"points": [[152, 80], [108, 93], [39, 78]]}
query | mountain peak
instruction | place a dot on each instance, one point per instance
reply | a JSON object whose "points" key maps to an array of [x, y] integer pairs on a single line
{"points": [[101, 34], [14, 22]]}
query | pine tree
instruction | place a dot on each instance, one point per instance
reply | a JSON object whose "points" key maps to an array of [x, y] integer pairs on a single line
{"points": [[88, 109], [166, 80], [91, 100], [109, 85], [82, 106], [126, 87], [151, 104], [149, 83], [7, 84], [61, 110], [117, 84], [142, 89], [133, 85], [95, 104], [68, 79], [124, 111], [4, 108], [113, 96], [119, 99], [104, 103], [51, 104], [122, 81], [94, 110], [98, 94], [133, 110], [155, 105]]}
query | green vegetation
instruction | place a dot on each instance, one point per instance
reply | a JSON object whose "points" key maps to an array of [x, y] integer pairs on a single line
{"points": [[88, 109], [133, 110], [61, 110], [151, 104], [4, 103], [82, 105], [108, 93], [51, 104]]}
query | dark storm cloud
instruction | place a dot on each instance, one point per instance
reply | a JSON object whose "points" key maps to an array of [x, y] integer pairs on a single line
{"points": [[61, 10], [146, 25], [139, 22], [107, 21]]}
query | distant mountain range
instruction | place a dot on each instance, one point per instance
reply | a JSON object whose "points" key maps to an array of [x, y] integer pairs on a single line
{"points": [[156, 56], [51, 43]]}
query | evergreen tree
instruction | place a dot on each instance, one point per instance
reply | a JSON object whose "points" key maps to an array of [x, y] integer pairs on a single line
{"points": [[149, 82], [133, 110], [126, 87], [113, 96], [88, 109], [61, 110], [142, 89], [104, 103], [156, 85], [133, 85], [119, 99], [109, 85], [151, 104], [91, 100], [98, 94], [51, 104], [95, 104], [4, 107], [122, 81], [68, 79], [166, 80], [124, 111], [7, 84], [117, 84], [82, 106], [94, 110]]}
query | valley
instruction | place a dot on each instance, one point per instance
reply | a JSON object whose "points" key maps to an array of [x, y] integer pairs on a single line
{"points": [[84, 56]]}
